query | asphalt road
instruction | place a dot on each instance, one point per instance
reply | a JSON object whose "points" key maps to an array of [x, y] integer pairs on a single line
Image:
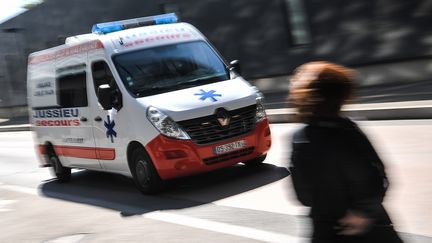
{"points": [[234, 204]]}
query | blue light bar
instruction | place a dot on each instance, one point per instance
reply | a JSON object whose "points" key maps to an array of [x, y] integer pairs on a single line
{"points": [[105, 28]]}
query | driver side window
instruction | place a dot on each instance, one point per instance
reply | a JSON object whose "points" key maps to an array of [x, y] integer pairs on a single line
{"points": [[102, 75]]}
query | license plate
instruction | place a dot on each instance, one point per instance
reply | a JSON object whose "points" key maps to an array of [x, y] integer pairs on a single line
{"points": [[225, 148]]}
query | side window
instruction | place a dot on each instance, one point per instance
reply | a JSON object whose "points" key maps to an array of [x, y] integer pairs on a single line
{"points": [[71, 90], [102, 74]]}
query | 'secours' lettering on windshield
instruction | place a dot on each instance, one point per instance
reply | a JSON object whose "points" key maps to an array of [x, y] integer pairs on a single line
{"points": [[168, 68]]}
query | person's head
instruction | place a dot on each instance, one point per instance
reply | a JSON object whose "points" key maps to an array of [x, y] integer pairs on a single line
{"points": [[319, 89]]}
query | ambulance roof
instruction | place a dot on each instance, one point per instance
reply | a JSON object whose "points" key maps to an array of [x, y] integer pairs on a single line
{"points": [[121, 39], [149, 36]]}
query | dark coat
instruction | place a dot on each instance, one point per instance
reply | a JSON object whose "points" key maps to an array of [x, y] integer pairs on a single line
{"points": [[334, 169]]}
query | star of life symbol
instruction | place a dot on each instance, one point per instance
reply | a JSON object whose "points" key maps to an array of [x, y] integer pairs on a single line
{"points": [[208, 95], [110, 133]]}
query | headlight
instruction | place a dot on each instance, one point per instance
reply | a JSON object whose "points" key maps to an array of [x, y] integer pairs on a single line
{"points": [[164, 124], [260, 111]]}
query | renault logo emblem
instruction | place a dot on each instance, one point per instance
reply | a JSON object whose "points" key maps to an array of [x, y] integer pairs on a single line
{"points": [[223, 117]]}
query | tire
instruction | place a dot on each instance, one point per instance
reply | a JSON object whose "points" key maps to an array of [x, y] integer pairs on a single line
{"points": [[255, 162], [144, 173], [63, 174]]}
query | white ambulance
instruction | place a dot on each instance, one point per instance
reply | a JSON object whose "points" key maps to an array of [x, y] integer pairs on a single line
{"points": [[148, 98]]}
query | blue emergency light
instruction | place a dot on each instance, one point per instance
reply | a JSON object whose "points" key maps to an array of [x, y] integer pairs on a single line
{"points": [[105, 28]]}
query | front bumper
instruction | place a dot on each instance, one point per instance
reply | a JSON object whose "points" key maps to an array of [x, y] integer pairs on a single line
{"points": [[175, 158]]}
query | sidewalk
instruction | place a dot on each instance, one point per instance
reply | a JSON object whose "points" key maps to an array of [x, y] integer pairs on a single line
{"points": [[371, 111], [389, 101], [14, 124]]}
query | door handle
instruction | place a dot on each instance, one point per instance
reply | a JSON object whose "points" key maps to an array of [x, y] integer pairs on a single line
{"points": [[83, 119], [98, 119]]}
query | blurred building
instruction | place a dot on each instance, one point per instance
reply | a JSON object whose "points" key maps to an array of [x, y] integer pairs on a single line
{"points": [[389, 40]]}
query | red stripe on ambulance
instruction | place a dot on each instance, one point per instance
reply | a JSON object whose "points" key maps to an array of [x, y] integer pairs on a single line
{"points": [[81, 152], [81, 48]]}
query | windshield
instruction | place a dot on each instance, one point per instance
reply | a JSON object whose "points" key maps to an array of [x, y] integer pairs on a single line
{"points": [[168, 68]]}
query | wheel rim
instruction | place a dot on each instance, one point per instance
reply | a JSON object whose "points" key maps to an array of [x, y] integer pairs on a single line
{"points": [[142, 173]]}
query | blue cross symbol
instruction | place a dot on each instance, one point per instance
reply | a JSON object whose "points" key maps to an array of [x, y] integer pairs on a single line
{"points": [[110, 129], [211, 95]]}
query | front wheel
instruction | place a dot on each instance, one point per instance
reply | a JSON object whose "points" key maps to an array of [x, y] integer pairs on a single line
{"points": [[255, 162], [63, 174], [144, 173]]}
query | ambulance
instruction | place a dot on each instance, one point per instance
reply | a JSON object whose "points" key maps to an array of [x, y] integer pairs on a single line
{"points": [[149, 98]]}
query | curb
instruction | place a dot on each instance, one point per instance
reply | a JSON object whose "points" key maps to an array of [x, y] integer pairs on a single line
{"points": [[374, 111], [15, 128]]}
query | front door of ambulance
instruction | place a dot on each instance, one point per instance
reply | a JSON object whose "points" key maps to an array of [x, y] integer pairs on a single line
{"points": [[76, 148], [105, 128]]}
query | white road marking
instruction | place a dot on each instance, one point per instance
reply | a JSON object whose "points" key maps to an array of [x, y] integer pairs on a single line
{"points": [[4, 205], [68, 239], [26, 190], [224, 228]]}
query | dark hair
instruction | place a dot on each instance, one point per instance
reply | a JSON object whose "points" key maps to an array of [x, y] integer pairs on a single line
{"points": [[320, 89]]}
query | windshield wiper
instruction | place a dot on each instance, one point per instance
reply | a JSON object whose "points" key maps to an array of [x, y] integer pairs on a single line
{"points": [[182, 85], [152, 91], [201, 80]]}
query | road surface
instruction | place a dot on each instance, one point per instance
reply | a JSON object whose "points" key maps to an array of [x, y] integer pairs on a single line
{"points": [[237, 204]]}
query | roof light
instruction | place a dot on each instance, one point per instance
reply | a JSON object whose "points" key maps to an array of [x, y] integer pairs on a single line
{"points": [[105, 28]]}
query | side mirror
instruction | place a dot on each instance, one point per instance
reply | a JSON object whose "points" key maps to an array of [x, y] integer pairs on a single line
{"points": [[235, 66], [105, 96]]}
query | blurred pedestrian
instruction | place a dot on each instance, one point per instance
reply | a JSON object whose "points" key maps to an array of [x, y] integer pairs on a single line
{"points": [[335, 169]]}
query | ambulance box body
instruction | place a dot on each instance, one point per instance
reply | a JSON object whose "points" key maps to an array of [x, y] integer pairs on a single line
{"points": [[151, 101]]}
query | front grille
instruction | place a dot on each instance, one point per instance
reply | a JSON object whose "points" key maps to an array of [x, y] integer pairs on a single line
{"points": [[206, 130], [228, 156]]}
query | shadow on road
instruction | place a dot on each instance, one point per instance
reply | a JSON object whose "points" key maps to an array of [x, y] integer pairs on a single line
{"points": [[118, 193]]}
